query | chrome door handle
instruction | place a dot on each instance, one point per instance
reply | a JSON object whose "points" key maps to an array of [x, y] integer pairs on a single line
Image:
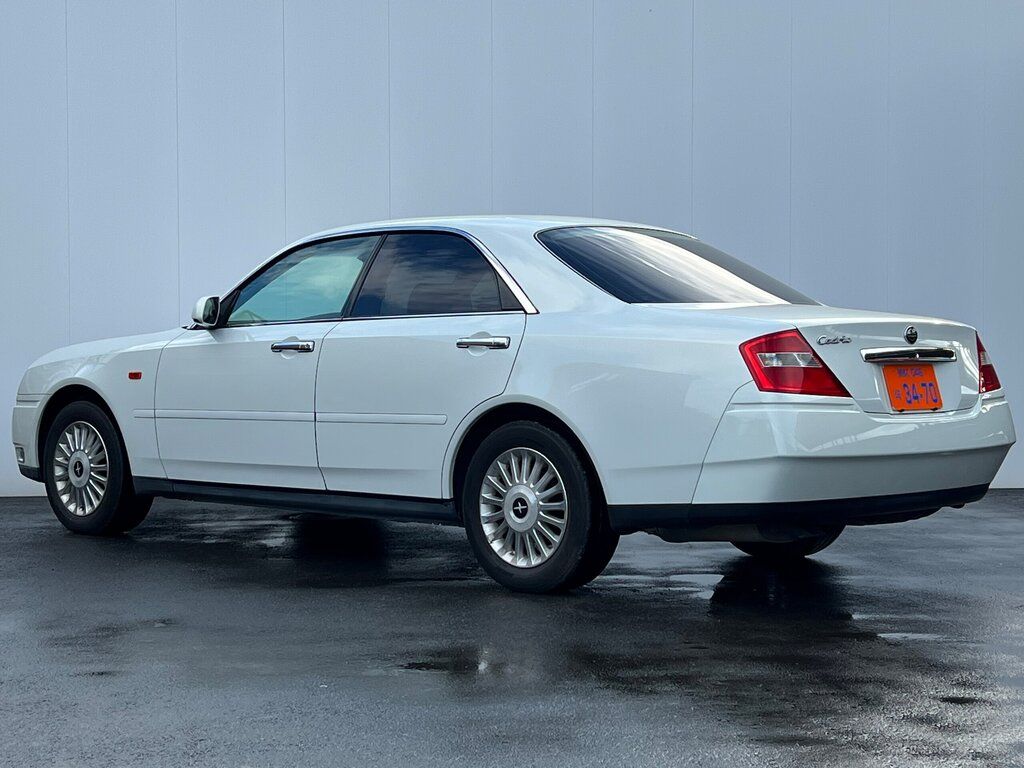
{"points": [[487, 342], [292, 346]]}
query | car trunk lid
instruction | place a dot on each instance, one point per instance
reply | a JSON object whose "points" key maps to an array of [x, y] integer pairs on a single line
{"points": [[857, 345]]}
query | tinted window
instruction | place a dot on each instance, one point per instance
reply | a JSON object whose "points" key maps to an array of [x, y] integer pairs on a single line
{"points": [[312, 283], [429, 274], [653, 266]]}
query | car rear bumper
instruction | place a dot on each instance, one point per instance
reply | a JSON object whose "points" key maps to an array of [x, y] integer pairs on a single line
{"points": [[765, 453], [865, 510], [828, 462]]}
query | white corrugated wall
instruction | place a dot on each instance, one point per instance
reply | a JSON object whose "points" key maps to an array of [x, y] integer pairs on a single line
{"points": [[870, 153]]}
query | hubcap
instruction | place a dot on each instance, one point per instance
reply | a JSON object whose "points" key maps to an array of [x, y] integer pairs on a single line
{"points": [[523, 507], [80, 468]]}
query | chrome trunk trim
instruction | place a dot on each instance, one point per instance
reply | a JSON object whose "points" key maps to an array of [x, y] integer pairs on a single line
{"points": [[909, 355]]}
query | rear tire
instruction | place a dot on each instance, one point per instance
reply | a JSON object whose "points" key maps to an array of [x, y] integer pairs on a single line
{"points": [[598, 557], [781, 552], [85, 468], [530, 512]]}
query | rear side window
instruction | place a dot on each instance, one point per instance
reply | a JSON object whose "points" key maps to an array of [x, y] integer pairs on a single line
{"points": [[430, 273], [652, 266]]}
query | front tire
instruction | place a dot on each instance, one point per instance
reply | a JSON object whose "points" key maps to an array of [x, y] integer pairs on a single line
{"points": [[789, 551], [530, 511], [85, 469]]}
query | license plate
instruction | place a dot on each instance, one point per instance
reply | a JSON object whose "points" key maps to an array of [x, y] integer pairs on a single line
{"points": [[912, 387]]}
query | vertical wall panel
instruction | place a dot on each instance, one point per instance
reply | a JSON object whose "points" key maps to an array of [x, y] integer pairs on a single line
{"points": [[543, 106], [870, 153], [33, 202], [741, 113], [935, 159], [838, 151], [440, 122], [231, 141], [336, 113], [123, 166], [1001, 275], [642, 119]]}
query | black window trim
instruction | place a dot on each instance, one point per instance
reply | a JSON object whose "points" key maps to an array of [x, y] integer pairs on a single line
{"points": [[228, 302]]}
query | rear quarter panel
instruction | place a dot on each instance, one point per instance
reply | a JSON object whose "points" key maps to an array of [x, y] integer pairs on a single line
{"points": [[644, 393]]}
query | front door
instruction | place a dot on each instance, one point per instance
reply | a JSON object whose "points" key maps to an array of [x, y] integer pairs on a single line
{"points": [[235, 404], [432, 334]]}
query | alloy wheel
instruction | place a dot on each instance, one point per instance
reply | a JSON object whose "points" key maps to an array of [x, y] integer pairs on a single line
{"points": [[523, 507], [80, 468]]}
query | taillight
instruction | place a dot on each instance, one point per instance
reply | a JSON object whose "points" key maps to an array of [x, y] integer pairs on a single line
{"points": [[988, 379], [785, 362]]}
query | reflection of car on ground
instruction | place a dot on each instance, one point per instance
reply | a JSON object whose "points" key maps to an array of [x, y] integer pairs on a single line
{"points": [[547, 383]]}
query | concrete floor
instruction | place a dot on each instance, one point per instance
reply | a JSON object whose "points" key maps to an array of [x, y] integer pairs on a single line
{"points": [[222, 636]]}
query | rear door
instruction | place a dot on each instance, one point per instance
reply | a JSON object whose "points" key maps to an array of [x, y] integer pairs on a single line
{"points": [[433, 333]]}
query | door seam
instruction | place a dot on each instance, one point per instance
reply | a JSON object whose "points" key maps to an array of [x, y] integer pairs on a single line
{"points": [[316, 390]]}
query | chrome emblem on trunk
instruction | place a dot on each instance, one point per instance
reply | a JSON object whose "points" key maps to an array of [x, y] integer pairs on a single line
{"points": [[840, 339], [910, 334]]}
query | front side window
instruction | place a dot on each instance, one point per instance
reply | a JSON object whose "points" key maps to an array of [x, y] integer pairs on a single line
{"points": [[311, 283], [430, 273], [653, 266]]}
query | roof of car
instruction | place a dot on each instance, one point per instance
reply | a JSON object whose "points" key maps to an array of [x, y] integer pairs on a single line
{"points": [[478, 224]]}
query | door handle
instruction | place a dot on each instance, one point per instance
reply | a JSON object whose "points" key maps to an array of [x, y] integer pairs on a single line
{"points": [[292, 346], [487, 342]]}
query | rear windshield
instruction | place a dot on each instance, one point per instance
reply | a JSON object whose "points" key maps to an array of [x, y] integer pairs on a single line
{"points": [[652, 266]]}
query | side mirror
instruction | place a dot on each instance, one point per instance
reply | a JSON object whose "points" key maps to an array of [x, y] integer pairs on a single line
{"points": [[206, 311]]}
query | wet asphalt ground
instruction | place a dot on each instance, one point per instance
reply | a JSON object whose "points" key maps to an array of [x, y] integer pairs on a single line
{"points": [[231, 636]]}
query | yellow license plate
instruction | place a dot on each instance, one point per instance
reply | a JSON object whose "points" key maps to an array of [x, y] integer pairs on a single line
{"points": [[912, 387]]}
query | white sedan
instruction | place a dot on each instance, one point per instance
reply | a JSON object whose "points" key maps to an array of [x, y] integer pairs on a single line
{"points": [[547, 383]]}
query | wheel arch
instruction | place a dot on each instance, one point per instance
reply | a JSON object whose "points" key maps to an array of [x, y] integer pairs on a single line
{"points": [[489, 419], [65, 395]]}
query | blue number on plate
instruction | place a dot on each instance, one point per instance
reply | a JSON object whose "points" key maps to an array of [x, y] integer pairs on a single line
{"points": [[910, 393]]}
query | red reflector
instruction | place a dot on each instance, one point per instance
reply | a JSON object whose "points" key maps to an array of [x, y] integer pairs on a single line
{"points": [[134, 375], [988, 380], [785, 362]]}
